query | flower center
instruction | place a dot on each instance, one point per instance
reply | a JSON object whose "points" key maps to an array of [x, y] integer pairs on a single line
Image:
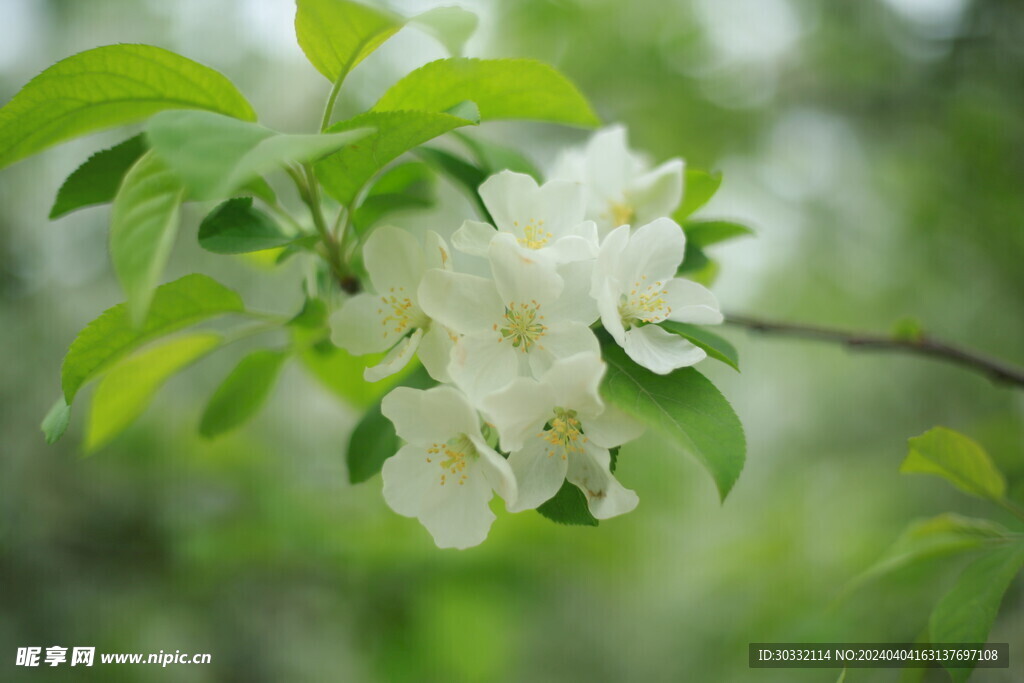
{"points": [[622, 214], [644, 303], [453, 455], [565, 433], [522, 324], [534, 234], [399, 312]]}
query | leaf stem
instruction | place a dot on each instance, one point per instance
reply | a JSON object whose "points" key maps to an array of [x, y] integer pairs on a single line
{"points": [[921, 344], [325, 122], [1012, 508]]}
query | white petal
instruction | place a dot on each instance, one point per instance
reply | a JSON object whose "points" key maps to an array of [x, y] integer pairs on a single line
{"points": [[575, 302], [407, 476], [572, 248], [505, 194], [437, 253], [606, 497], [394, 259], [429, 417], [521, 275], [396, 359], [608, 306], [473, 238], [559, 204], [457, 515], [609, 162], [660, 351], [435, 351], [612, 428], [519, 411], [654, 252], [482, 365], [464, 303], [539, 471], [359, 326], [496, 471], [610, 266], [657, 193], [692, 303], [574, 381], [561, 341]]}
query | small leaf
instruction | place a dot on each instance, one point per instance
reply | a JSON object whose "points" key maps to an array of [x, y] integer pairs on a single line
{"points": [[699, 187], [908, 329], [345, 173], [112, 335], [406, 186], [215, 155], [716, 347], [125, 391], [705, 233], [494, 158], [96, 181], [236, 227], [242, 393], [336, 35], [568, 506], [956, 458], [966, 613], [105, 87], [56, 421], [451, 26], [501, 88], [143, 225], [684, 407]]}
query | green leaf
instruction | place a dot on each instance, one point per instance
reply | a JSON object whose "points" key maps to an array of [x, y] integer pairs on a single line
{"points": [[242, 393], [96, 181], [374, 439], [336, 35], [501, 88], [956, 458], [568, 506], [56, 421], [966, 613], [143, 225], [699, 187], [451, 26], [494, 158], [406, 186], [466, 175], [716, 347], [346, 172], [105, 87], [125, 391], [236, 227], [112, 335], [215, 155], [705, 233], [682, 406]]}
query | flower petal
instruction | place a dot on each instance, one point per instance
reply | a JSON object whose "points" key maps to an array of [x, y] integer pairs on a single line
{"points": [[607, 298], [435, 352], [505, 195], [464, 303], [473, 238], [660, 351], [561, 341], [408, 475], [520, 275], [691, 302], [359, 326], [610, 266], [654, 252], [573, 383], [396, 359], [612, 428], [657, 193], [481, 364], [456, 514], [610, 164], [574, 302], [519, 411], [431, 416], [606, 497], [496, 471], [539, 470], [436, 252], [394, 259]]}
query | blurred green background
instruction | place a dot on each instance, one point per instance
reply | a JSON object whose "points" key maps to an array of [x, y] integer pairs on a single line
{"points": [[876, 146]]}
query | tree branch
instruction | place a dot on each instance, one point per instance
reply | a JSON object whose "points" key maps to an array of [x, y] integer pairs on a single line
{"points": [[920, 344]]}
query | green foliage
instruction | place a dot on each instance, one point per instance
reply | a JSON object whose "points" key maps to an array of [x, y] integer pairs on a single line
{"points": [[715, 346], [451, 26], [126, 389], [236, 227], [143, 225], [466, 176], [568, 506], [405, 186], [682, 406], [106, 87], [966, 613], [699, 188], [112, 335], [336, 35], [242, 393], [345, 173], [957, 459], [215, 155], [56, 421], [705, 233], [96, 181], [501, 88], [492, 158]]}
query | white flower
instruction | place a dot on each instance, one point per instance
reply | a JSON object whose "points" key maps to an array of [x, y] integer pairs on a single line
{"points": [[391, 318], [558, 428], [515, 324], [445, 474], [621, 187], [634, 285], [547, 219]]}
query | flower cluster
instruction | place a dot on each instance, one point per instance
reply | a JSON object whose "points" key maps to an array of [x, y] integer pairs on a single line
{"points": [[518, 411]]}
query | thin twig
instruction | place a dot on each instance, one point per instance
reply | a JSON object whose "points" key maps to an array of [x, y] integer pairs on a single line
{"points": [[919, 344]]}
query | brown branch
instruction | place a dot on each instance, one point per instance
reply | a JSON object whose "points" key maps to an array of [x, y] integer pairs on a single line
{"points": [[920, 344]]}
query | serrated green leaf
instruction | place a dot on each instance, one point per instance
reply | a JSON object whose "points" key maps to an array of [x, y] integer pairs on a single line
{"points": [[501, 88], [682, 406], [699, 188], [451, 26], [336, 35], [215, 155], [374, 439], [143, 225], [236, 227], [242, 393], [568, 506], [966, 613], [56, 421], [706, 233], [957, 459], [125, 391], [97, 180], [105, 87], [716, 347], [406, 186], [493, 158], [346, 172], [112, 336]]}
